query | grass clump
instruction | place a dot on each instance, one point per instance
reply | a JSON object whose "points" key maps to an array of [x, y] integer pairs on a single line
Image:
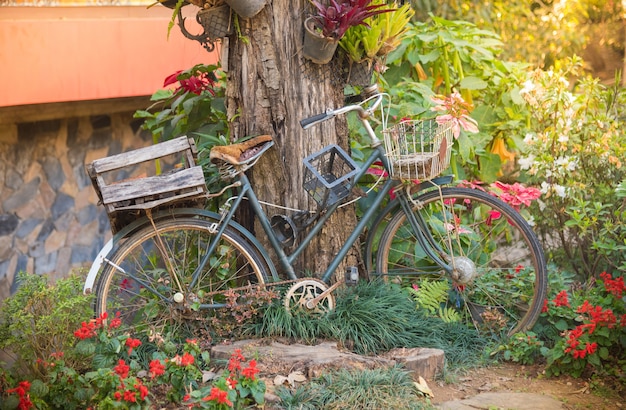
{"points": [[371, 318], [383, 388]]}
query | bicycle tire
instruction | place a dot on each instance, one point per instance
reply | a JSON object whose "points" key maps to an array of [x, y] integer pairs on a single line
{"points": [[507, 286], [135, 280]]}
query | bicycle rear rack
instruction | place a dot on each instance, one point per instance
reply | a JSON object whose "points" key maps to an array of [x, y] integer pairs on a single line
{"points": [[124, 198]]}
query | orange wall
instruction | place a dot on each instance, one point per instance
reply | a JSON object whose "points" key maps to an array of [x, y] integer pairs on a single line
{"points": [[56, 54]]}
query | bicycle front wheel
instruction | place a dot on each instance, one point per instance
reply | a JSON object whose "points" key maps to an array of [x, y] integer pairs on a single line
{"points": [[161, 279], [498, 282]]}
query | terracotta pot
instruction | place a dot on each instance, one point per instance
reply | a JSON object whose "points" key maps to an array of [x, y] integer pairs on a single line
{"points": [[246, 8], [317, 48]]}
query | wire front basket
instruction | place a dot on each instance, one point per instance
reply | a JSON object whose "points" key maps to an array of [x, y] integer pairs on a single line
{"points": [[418, 149]]}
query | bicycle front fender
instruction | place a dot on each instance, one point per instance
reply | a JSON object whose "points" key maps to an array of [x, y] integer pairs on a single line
{"points": [[96, 266]]}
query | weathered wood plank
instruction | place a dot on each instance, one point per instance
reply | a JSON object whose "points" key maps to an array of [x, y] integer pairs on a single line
{"points": [[156, 185], [140, 155]]}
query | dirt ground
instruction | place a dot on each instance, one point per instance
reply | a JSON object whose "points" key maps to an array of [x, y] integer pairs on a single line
{"points": [[573, 393]]}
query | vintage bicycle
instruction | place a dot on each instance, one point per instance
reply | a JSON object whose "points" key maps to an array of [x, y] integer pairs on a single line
{"points": [[177, 265]]}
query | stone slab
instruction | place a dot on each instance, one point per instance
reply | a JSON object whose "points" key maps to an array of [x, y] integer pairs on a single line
{"points": [[275, 357]]}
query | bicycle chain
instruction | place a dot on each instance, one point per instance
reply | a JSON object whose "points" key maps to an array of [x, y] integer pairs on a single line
{"points": [[253, 286]]}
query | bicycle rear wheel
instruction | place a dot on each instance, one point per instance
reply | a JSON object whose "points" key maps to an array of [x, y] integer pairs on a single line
{"points": [[160, 279], [499, 282]]}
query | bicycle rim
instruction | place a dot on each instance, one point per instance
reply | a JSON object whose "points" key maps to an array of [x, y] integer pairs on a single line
{"points": [[137, 280], [500, 281]]}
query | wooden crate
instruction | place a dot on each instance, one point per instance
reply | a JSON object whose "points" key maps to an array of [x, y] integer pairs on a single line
{"points": [[127, 199]]}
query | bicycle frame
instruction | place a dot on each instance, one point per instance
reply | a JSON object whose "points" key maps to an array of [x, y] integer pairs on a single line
{"points": [[245, 191]]}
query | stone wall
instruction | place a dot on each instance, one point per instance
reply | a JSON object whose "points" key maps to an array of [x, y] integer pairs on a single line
{"points": [[50, 222]]}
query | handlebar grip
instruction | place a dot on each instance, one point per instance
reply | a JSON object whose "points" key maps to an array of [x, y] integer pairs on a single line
{"points": [[308, 122]]}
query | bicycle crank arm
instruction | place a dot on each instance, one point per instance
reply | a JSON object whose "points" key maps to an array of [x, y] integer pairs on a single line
{"points": [[311, 304]]}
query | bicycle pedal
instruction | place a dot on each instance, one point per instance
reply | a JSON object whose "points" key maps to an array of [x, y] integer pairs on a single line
{"points": [[352, 276]]}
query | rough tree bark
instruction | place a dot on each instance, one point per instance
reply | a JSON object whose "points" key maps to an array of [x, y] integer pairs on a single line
{"points": [[271, 87]]}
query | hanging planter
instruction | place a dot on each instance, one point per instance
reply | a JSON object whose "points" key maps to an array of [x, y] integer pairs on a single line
{"points": [[216, 21], [324, 28], [246, 8], [316, 47]]}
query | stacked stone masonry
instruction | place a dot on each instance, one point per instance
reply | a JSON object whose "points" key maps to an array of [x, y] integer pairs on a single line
{"points": [[50, 220]]}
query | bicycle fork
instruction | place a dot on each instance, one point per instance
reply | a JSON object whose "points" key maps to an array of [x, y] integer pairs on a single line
{"points": [[460, 268], [423, 235]]}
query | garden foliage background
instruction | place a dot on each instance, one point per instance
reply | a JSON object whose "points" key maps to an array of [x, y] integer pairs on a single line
{"points": [[545, 119]]}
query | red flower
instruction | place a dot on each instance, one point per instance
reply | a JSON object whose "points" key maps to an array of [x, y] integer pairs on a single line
{"points": [[156, 368], [585, 307], [101, 319], [493, 215], [219, 395], [116, 322], [122, 369], [250, 371], [143, 390], [236, 358], [117, 395], [196, 84], [187, 359], [132, 343], [130, 396], [613, 286], [544, 309], [590, 348], [561, 299], [86, 331]]}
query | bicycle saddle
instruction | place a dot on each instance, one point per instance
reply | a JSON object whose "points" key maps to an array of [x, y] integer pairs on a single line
{"points": [[243, 152]]}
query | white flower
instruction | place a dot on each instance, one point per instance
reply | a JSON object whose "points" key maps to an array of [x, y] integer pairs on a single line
{"points": [[542, 205], [529, 86], [527, 162], [559, 190], [529, 138]]}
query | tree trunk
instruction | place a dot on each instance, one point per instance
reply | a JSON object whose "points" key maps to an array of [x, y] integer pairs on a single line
{"points": [[271, 87]]}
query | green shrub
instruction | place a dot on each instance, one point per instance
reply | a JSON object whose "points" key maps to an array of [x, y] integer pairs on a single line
{"points": [[575, 152], [40, 319]]}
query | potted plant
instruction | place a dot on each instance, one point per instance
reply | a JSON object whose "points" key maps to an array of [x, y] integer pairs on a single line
{"points": [[327, 26], [368, 44]]}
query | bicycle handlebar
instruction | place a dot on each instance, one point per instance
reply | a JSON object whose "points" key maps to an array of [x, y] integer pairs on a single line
{"points": [[309, 122], [330, 113]]}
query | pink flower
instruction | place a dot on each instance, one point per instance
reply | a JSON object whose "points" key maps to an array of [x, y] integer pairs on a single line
{"points": [[516, 194], [456, 110]]}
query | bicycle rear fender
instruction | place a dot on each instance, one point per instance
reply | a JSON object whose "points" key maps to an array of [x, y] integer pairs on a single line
{"points": [[111, 245]]}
